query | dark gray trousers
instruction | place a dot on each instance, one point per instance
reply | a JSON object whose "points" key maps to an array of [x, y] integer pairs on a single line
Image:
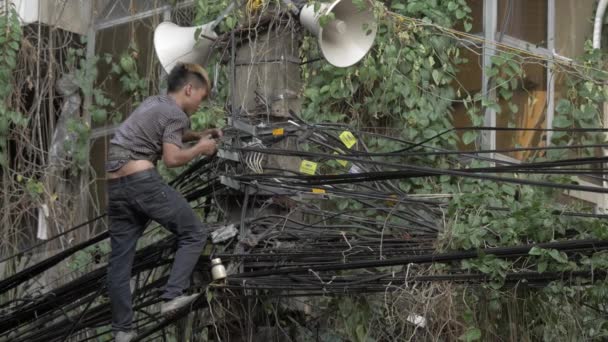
{"points": [[133, 201]]}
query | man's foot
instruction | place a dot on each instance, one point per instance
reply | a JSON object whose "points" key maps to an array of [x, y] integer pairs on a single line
{"points": [[171, 307], [124, 336]]}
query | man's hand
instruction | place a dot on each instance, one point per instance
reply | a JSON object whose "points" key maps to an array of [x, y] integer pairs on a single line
{"points": [[174, 156], [206, 146], [215, 133]]}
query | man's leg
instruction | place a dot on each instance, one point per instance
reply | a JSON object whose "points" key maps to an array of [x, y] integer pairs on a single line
{"points": [[126, 227], [172, 211]]}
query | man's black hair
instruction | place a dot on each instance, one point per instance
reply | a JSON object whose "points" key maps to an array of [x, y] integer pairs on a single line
{"points": [[181, 75]]}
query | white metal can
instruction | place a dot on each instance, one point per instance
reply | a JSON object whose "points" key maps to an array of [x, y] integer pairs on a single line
{"points": [[218, 271]]}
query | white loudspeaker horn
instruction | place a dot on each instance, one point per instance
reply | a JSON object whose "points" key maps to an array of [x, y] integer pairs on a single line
{"points": [[175, 44], [347, 38]]}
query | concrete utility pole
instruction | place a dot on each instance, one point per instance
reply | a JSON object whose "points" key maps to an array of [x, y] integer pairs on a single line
{"points": [[267, 73], [265, 87], [265, 83]]}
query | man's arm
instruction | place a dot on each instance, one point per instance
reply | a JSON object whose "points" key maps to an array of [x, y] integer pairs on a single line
{"points": [[173, 156], [189, 135]]}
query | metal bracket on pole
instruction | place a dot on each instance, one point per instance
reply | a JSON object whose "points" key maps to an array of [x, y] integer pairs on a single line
{"points": [[224, 233], [259, 129], [230, 155], [231, 183]]}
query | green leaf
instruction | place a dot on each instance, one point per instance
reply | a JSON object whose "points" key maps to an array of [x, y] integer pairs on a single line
{"points": [[326, 18], [506, 94], [468, 137], [468, 317], [99, 115], [197, 33], [509, 189], [542, 266], [536, 251], [561, 121], [398, 6], [563, 106], [452, 6], [460, 14], [467, 26], [557, 256], [491, 72], [472, 334], [413, 7], [436, 76], [497, 60], [360, 331]]}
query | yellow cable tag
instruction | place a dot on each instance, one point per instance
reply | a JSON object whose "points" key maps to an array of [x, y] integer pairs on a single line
{"points": [[348, 139], [308, 167], [278, 131], [318, 191]]}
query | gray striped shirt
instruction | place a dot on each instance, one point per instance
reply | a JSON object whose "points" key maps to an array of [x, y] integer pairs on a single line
{"points": [[155, 121]]}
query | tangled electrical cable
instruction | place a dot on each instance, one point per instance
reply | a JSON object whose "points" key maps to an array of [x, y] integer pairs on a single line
{"points": [[292, 238]]}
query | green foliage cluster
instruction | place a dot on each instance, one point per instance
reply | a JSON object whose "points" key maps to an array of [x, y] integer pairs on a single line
{"points": [[407, 82], [101, 108], [84, 69], [404, 82], [532, 215], [212, 112], [130, 79], [90, 256], [10, 41], [580, 104]]}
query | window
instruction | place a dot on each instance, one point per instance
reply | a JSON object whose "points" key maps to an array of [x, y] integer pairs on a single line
{"points": [[530, 97], [523, 19], [477, 15], [546, 30], [574, 24], [525, 25], [134, 38]]}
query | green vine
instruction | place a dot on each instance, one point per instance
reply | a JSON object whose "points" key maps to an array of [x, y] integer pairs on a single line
{"points": [[10, 40], [85, 75]]}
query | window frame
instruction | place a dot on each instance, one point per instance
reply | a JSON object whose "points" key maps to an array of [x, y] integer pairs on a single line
{"points": [[488, 138]]}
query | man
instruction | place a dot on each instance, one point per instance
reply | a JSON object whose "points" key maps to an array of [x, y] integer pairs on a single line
{"points": [[137, 194]]}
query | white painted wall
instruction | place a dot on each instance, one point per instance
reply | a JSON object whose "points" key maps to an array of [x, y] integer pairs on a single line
{"points": [[70, 15]]}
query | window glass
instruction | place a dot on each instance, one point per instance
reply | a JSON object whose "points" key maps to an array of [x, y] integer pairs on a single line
{"points": [[530, 97], [574, 25], [523, 19], [565, 89]]}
